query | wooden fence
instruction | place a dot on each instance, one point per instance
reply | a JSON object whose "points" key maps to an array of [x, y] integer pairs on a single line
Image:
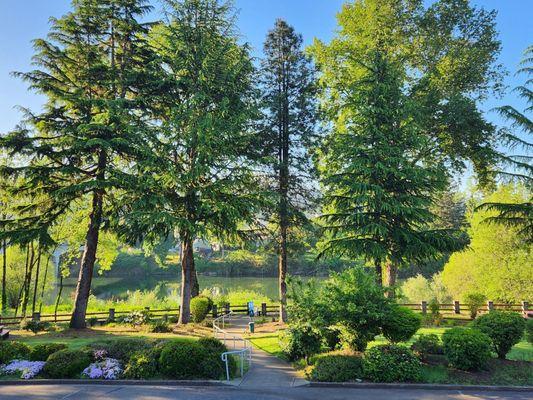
{"points": [[455, 310]]}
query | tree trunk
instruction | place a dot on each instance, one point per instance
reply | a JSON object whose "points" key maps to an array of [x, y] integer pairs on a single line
{"points": [[4, 273], [58, 299], [187, 265], [34, 299], [27, 284], [282, 265], [44, 282], [195, 286], [88, 259], [21, 291], [392, 274], [379, 273]]}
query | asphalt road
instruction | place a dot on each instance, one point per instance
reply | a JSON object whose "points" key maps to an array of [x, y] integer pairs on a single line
{"points": [[104, 392]]}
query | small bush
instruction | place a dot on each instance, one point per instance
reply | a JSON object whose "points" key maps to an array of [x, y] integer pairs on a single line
{"points": [[475, 301], [504, 328], [160, 326], [41, 352], [189, 360], [199, 309], [400, 324], [13, 351], [142, 365], [467, 349], [391, 363], [92, 321], [135, 318], [215, 347], [122, 349], [300, 342], [434, 312], [33, 326], [67, 364], [529, 330], [337, 368], [427, 344], [352, 340], [332, 338]]}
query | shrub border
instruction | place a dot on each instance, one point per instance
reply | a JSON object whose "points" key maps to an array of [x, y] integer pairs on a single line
{"points": [[425, 386], [114, 382]]}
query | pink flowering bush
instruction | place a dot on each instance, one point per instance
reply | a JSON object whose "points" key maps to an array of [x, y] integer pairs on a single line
{"points": [[106, 368], [27, 369]]}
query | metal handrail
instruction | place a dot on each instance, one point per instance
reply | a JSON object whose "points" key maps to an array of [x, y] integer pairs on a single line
{"points": [[245, 353]]}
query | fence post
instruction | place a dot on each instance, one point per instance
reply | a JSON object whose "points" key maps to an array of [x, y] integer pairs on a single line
{"points": [[36, 316], [456, 307], [490, 305], [227, 308], [424, 307], [111, 316], [263, 309], [525, 306], [215, 311]]}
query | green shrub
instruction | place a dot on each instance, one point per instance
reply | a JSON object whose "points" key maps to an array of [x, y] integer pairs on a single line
{"points": [[434, 312], [199, 309], [41, 352], [189, 360], [467, 349], [123, 349], [475, 301], [400, 324], [141, 365], [504, 328], [13, 351], [337, 368], [300, 342], [215, 347], [160, 326], [331, 338], [529, 330], [391, 363], [92, 321], [66, 363], [427, 344], [33, 326]]}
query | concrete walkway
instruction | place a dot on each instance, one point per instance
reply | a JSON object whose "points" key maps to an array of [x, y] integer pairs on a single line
{"points": [[267, 371]]}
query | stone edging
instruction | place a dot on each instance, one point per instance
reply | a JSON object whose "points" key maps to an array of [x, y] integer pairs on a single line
{"points": [[117, 382], [425, 386]]}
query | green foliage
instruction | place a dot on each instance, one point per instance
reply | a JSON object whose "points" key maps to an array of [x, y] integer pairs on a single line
{"points": [[418, 288], [354, 301], [11, 350], [336, 367], [41, 352], [505, 329], [33, 326], [160, 326], [135, 318], [400, 324], [427, 344], [189, 360], [66, 364], [122, 349], [199, 309], [141, 365], [479, 269], [391, 363], [467, 349], [300, 342], [475, 301]]}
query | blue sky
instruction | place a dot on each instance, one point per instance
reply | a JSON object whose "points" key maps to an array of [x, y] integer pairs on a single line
{"points": [[24, 20]]}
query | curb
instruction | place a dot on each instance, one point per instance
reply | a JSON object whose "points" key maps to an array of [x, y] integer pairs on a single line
{"points": [[425, 386], [31, 382]]}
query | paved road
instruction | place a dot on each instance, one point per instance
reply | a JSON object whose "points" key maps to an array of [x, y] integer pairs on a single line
{"points": [[104, 392]]}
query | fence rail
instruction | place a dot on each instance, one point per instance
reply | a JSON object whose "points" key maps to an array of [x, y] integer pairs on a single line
{"points": [[455, 310]]}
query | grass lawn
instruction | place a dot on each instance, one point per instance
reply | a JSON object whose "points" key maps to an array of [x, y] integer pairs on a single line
{"points": [[76, 339]]}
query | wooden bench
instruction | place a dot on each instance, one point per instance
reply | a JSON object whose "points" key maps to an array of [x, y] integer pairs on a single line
{"points": [[4, 333]]}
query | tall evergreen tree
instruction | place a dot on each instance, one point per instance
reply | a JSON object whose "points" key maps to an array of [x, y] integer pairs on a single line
{"points": [[202, 184], [519, 166], [400, 85], [287, 135], [78, 148]]}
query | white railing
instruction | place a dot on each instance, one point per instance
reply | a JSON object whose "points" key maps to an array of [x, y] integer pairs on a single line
{"points": [[245, 354]]}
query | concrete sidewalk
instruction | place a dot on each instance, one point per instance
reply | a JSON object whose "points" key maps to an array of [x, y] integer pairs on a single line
{"points": [[267, 370]]}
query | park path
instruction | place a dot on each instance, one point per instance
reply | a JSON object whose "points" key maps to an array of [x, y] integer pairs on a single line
{"points": [[267, 371]]}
